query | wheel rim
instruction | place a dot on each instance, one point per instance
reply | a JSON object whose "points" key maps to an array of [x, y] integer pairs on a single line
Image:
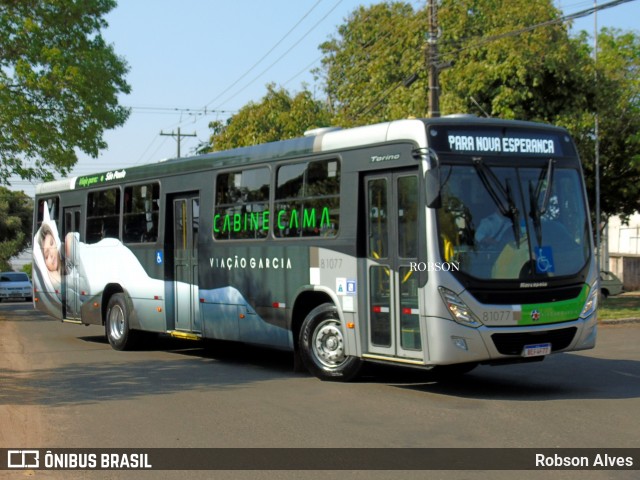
{"points": [[116, 322], [328, 344]]}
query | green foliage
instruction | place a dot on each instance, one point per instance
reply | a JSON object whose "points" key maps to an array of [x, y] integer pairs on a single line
{"points": [[16, 211], [617, 102], [28, 269], [620, 307], [277, 117], [59, 84], [534, 74], [366, 66]]}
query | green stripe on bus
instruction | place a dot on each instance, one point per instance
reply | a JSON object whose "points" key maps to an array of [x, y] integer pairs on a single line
{"points": [[554, 312]]}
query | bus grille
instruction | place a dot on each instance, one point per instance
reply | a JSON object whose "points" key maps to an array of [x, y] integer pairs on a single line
{"points": [[513, 343], [524, 296]]}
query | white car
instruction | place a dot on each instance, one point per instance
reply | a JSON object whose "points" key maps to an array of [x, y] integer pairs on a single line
{"points": [[15, 286]]}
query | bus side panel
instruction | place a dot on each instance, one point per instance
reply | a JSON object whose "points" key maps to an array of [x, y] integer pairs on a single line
{"points": [[258, 282], [47, 276], [46, 299], [222, 318], [149, 303], [337, 272]]}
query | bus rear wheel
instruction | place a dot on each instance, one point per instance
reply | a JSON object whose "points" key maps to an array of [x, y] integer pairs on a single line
{"points": [[322, 346], [117, 324]]}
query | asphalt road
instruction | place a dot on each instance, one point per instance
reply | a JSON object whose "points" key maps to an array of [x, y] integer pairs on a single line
{"points": [[62, 386]]}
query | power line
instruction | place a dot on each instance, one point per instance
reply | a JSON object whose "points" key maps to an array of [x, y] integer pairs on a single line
{"points": [[283, 55], [554, 21], [376, 45], [373, 46], [303, 70], [181, 110], [266, 54]]}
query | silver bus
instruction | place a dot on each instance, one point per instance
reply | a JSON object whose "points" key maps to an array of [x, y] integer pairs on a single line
{"points": [[432, 243]]}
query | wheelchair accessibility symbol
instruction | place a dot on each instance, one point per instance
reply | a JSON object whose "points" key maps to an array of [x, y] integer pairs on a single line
{"points": [[544, 260], [159, 257]]}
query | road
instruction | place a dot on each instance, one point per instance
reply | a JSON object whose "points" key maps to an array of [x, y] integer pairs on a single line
{"points": [[64, 387]]}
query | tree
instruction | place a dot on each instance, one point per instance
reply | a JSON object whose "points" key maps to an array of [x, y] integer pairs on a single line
{"points": [[508, 59], [506, 68], [616, 82], [366, 66], [16, 211], [375, 69], [59, 85], [277, 117]]}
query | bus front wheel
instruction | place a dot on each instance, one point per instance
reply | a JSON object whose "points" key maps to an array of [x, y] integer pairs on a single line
{"points": [[322, 346], [117, 324]]}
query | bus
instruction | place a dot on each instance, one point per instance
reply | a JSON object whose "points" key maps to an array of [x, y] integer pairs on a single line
{"points": [[438, 243]]}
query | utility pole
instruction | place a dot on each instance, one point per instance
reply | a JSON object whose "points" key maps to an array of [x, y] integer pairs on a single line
{"points": [[179, 137], [597, 144], [431, 54]]}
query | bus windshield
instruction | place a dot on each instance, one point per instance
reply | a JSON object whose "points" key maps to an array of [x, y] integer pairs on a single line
{"points": [[513, 222]]}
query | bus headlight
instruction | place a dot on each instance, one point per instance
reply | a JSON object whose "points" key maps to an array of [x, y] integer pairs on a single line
{"points": [[459, 310], [592, 302]]}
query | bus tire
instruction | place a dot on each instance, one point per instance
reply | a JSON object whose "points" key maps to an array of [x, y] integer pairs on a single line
{"points": [[322, 346], [117, 324]]}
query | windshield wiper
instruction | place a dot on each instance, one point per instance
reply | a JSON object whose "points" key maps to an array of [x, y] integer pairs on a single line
{"points": [[501, 196], [536, 213], [548, 182]]}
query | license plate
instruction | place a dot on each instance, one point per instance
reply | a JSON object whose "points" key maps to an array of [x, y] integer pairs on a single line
{"points": [[536, 350]]}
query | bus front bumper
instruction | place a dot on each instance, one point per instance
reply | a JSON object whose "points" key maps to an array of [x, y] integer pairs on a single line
{"points": [[450, 342]]}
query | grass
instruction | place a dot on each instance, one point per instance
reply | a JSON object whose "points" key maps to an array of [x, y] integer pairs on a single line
{"points": [[614, 308]]}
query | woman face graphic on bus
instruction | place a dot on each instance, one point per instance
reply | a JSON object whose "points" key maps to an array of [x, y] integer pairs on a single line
{"points": [[51, 254]]}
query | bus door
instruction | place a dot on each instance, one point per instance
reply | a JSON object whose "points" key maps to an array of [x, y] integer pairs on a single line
{"points": [[186, 220], [71, 290], [392, 202]]}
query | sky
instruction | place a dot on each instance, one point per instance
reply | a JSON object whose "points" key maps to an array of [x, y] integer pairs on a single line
{"points": [[195, 61]]}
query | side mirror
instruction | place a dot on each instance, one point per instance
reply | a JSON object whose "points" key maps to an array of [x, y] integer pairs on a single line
{"points": [[433, 181]]}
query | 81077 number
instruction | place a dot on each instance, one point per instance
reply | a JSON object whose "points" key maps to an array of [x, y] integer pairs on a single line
{"points": [[496, 316], [330, 263]]}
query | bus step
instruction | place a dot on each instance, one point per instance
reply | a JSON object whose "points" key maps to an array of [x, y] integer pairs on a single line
{"points": [[184, 335], [72, 320]]}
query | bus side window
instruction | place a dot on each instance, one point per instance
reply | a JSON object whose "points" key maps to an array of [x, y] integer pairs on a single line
{"points": [[378, 247], [307, 202], [103, 215], [408, 216], [140, 221], [50, 204], [241, 209]]}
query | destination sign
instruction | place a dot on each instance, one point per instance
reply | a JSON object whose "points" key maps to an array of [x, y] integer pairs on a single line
{"points": [[499, 141], [477, 143]]}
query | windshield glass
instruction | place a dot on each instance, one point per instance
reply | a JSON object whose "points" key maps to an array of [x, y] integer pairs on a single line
{"points": [[14, 277], [505, 223]]}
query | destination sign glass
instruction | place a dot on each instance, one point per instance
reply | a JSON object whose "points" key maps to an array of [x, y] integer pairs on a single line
{"points": [[500, 141]]}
